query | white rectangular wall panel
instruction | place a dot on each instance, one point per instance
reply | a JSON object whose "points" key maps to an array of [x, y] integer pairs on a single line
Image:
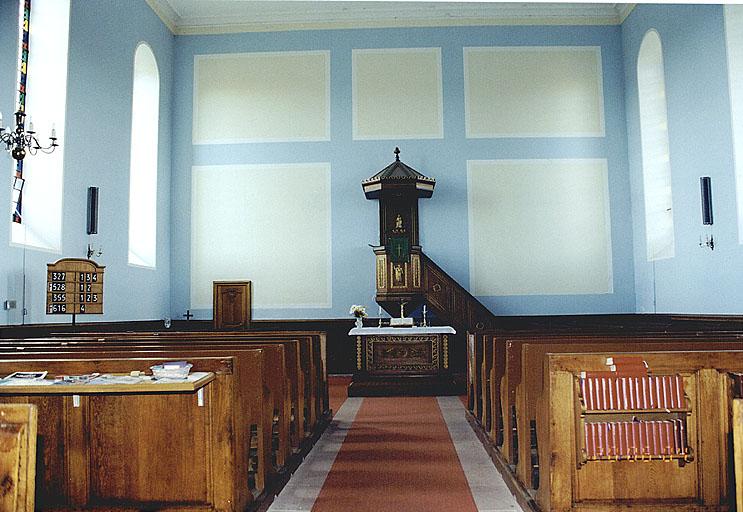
{"points": [[266, 223], [533, 91], [261, 97], [397, 94], [539, 227]]}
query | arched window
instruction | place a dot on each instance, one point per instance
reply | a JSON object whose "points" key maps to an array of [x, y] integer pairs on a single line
{"points": [[143, 162], [46, 97], [734, 41], [656, 160]]}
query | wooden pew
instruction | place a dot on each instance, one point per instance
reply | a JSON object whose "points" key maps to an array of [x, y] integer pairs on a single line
{"points": [[294, 349], [488, 372], [738, 450], [263, 393], [702, 483], [507, 368], [18, 423], [312, 358], [531, 362], [139, 450]]}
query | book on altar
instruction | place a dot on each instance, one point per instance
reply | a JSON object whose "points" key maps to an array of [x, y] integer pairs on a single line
{"points": [[401, 322]]}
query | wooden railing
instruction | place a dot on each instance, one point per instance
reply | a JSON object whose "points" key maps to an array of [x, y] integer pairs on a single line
{"points": [[451, 302]]}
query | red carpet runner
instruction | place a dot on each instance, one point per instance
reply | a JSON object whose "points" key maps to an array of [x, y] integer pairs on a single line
{"points": [[397, 456]]}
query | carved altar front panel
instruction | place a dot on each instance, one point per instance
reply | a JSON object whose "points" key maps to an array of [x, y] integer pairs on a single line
{"points": [[403, 354], [402, 361]]}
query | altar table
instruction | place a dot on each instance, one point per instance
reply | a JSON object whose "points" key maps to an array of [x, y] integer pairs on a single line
{"points": [[401, 361]]}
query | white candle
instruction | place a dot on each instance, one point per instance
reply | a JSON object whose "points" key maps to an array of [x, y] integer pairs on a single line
{"points": [[380, 311]]}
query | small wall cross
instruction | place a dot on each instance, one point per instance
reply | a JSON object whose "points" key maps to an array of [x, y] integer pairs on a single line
{"points": [[188, 314]]}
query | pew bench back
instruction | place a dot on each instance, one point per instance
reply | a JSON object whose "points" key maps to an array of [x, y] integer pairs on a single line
{"points": [[568, 483]]}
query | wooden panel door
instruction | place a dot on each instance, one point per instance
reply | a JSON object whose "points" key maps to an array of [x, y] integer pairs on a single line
{"points": [[232, 305]]}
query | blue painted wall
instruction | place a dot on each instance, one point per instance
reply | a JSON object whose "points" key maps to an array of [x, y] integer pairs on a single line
{"points": [[443, 217], [103, 37], [696, 280], [104, 34]]}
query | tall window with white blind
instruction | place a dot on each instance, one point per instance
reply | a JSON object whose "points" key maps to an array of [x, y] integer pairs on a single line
{"points": [[656, 160], [143, 162], [734, 42], [46, 95]]}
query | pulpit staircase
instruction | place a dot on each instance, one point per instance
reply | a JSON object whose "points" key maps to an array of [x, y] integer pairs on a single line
{"points": [[451, 302], [453, 305]]}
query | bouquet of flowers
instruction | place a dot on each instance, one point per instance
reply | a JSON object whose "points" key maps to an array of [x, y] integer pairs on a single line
{"points": [[358, 311]]}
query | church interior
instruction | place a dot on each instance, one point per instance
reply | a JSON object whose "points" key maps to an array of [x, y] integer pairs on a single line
{"points": [[331, 256]]}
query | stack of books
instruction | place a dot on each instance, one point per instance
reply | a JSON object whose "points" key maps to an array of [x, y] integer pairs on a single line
{"points": [[633, 440], [626, 387], [608, 391]]}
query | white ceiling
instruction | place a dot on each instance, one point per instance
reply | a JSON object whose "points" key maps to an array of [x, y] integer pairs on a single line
{"points": [[225, 16]]}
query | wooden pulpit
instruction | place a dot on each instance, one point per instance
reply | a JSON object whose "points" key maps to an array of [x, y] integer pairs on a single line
{"points": [[398, 256]]}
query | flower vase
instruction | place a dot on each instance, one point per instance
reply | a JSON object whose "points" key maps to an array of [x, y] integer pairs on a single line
{"points": [[359, 322]]}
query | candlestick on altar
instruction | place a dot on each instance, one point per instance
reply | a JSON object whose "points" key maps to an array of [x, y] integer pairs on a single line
{"points": [[424, 316], [380, 316]]}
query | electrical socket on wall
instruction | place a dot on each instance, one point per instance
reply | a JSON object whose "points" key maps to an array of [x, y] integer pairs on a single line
{"points": [[9, 304]]}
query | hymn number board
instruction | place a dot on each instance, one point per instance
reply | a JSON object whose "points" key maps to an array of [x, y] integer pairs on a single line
{"points": [[74, 287]]}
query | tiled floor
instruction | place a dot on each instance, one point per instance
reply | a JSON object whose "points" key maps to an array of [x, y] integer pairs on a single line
{"points": [[487, 487], [302, 490]]}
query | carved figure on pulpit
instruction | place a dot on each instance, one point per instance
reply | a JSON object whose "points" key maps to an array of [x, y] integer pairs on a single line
{"points": [[398, 275], [398, 222]]}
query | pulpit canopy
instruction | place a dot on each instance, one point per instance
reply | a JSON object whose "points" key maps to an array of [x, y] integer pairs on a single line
{"points": [[398, 175]]}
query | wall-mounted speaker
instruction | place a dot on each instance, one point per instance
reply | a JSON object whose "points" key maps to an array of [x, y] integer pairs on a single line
{"points": [[92, 224], [705, 185]]}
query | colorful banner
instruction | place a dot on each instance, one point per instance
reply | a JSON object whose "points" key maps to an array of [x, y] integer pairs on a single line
{"points": [[18, 180]]}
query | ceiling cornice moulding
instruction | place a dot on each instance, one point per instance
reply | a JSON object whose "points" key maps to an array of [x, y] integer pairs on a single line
{"points": [[165, 12], [196, 17]]}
